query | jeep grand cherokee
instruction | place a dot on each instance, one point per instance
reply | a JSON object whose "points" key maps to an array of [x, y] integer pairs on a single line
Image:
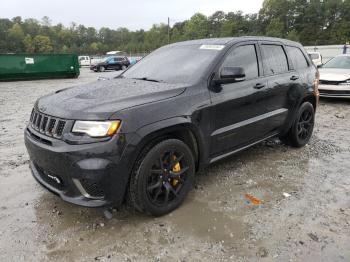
{"points": [[143, 135]]}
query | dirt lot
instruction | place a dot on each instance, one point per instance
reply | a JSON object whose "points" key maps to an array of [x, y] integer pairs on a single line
{"points": [[216, 222]]}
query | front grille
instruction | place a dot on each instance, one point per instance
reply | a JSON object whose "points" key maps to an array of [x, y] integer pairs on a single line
{"points": [[335, 92], [47, 125], [92, 188], [325, 82], [50, 178]]}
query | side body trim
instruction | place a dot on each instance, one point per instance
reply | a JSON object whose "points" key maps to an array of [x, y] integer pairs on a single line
{"points": [[248, 121]]}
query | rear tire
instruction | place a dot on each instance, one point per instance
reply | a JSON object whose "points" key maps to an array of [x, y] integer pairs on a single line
{"points": [[159, 185], [124, 67], [301, 131]]}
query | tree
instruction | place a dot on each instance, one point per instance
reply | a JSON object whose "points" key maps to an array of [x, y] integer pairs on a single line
{"points": [[42, 44], [16, 37], [275, 28], [215, 22], [28, 44], [308, 21], [197, 27], [228, 28]]}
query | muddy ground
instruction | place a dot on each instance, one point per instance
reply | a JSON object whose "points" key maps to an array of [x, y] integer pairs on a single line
{"points": [[216, 222]]}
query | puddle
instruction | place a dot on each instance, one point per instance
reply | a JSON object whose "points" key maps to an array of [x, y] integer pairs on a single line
{"points": [[197, 218]]}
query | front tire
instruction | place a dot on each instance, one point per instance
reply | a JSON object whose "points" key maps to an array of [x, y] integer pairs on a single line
{"points": [[301, 131], [162, 178], [101, 69]]}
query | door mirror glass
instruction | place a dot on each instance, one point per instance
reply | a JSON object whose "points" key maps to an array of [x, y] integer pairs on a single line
{"points": [[231, 75]]}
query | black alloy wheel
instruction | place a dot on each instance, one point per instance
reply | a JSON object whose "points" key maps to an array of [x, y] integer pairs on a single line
{"points": [[305, 124], [163, 178], [167, 178], [301, 131]]}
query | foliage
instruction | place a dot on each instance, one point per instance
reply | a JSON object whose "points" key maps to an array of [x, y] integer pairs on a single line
{"points": [[308, 21]]}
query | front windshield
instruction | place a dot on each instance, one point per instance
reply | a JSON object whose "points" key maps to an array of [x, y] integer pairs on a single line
{"points": [[342, 62], [174, 64]]}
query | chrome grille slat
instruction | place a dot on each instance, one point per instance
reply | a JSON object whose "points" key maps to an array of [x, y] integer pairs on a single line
{"points": [[43, 124], [54, 129], [37, 125], [34, 119]]}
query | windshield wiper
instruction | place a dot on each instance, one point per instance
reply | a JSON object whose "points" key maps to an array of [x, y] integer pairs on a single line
{"points": [[148, 79]]}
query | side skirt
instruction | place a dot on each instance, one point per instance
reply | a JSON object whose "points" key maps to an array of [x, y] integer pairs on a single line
{"points": [[217, 158]]}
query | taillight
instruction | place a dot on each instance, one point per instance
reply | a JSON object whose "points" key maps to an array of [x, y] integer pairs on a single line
{"points": [[315, 85]]}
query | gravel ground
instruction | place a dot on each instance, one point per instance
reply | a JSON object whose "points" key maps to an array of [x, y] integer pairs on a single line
{"points": [[309, 223]]}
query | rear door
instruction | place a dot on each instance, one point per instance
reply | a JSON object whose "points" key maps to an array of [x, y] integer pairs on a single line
{"points": [[237, 106], [281, 80]]}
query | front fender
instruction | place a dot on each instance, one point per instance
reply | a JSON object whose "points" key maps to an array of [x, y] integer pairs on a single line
{"points": [[154, 132]]}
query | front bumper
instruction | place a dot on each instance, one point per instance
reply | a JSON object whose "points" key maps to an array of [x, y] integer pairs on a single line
{"points": [[91, 175], [334, 91]]}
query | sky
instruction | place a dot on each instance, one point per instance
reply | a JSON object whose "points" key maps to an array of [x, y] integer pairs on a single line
{"points": [[132, 14]]}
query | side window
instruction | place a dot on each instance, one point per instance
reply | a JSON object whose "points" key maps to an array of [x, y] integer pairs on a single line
{"points": [[298, 59], [244, 56], [274, 59]]}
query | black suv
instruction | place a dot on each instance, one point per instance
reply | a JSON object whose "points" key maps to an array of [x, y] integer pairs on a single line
{"points": [[143, 135], [112, 63]]}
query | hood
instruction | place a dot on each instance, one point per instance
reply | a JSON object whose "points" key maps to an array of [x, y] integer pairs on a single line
{"points": [[334, 74], [99, 100]]}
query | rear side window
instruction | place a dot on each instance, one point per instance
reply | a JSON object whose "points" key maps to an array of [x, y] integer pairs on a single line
{"points": [[243, 56], [274, 59], [298, 59]]}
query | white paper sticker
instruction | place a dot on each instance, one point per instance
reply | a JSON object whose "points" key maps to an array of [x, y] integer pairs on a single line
{"points": [[212, 47], [29, 60]]}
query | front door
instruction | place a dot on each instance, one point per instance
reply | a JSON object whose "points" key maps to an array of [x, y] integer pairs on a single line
{"points": [[237, 106]]}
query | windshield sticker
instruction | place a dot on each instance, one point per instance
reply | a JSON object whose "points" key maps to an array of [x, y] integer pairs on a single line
{"points": [[212, 47]]}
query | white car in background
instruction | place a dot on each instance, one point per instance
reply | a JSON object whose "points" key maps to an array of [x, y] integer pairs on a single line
{"points": [[335, 77], [84, 60], [316, 58]]}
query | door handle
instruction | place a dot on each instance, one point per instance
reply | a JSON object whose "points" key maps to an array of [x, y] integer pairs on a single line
{"points": [[259, 86], [293, 78]]}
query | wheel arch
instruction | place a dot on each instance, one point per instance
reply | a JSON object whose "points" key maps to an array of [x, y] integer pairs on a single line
{"points": [[179, 128], [311, 99]]}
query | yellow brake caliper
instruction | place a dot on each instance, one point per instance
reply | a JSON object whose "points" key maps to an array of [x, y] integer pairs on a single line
{"points": [[176, 168]]}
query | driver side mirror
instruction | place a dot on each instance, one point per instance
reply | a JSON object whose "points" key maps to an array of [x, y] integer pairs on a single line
{"points": [[231, 75]]}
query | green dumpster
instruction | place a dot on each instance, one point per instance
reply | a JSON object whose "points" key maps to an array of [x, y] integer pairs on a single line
{"points": [[38, 66]]}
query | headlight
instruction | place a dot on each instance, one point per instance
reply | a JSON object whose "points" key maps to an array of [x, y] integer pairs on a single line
{"points": [[96, 128]]}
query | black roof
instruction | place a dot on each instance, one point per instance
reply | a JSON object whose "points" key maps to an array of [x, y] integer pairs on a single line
{"points": [[231, 40]]}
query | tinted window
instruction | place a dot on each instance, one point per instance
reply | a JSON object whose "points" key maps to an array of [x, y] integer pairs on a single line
{"points": [[274, 59], [297, 57], [244, 56]]}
